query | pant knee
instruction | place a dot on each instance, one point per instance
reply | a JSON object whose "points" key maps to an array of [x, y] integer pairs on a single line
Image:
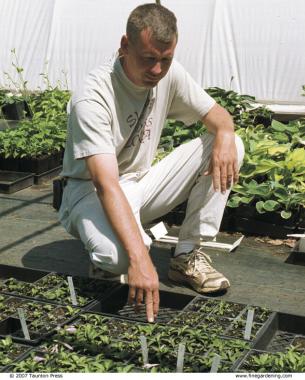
{"points": [[109, 256]]}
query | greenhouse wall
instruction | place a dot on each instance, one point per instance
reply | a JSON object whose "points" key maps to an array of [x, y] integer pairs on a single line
{"points": [[252, 47]]}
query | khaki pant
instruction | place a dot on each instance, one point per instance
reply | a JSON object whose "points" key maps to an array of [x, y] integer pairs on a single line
{"points": [[173, 180]]}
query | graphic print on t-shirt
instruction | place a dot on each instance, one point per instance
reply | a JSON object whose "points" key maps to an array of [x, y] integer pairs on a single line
{"points": [[142, 124]]}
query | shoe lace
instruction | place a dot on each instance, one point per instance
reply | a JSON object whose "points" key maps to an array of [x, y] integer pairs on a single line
{"points": [[200, 261]]}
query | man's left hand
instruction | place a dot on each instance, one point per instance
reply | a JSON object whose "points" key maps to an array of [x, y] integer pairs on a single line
{"points": [[223, 165]]}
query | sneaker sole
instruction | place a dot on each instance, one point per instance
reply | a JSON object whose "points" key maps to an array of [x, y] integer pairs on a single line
{"points": [[180, 278]]}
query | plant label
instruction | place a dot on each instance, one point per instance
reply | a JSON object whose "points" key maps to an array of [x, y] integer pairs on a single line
{"points": [[249, 322], [72, 291], [180, 357], [23, 324], [215, 364], [302, 245], [144, 348], [159, 230]]}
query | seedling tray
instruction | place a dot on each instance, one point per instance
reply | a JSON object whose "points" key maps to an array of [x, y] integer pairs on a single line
{"points": [[231, 352], [256, 228], [261, 320], [46, 176], [214, 307], [224, 318], [53, 288], [22, 274], [10, 182], [116, 304], [36, 165], [59, 358], [42, 319], [35, 358], [167, 363], [93, 333], [12, 327], [281, 331], [266, 361], [88, 291], [11, 352]]}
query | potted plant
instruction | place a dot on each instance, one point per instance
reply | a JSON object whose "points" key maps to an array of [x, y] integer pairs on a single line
{"points": [[13, 106]]}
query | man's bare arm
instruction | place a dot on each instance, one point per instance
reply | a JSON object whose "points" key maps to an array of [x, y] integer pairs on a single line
{"points": [[142, 276], [223, 165]]}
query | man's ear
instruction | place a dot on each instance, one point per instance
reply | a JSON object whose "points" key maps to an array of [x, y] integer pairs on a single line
{"points": [[124, 45]]}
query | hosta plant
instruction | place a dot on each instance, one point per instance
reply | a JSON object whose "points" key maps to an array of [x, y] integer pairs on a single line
{"points": [[272, 175]]}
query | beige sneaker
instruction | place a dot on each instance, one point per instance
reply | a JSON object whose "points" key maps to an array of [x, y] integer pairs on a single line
{"points": [[194, 269]]}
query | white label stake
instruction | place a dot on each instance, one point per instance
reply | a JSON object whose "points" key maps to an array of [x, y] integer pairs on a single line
{"points": [[215, 363], [143, 341], [249, 322], [23, 324], [180, 357], [159, 230], [72, 291]]}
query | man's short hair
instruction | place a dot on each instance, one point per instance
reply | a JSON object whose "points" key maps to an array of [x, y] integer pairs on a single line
{"points": [[160, 20]]}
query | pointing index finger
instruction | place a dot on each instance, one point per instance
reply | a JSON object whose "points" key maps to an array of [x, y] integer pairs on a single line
{"points": [[149, 306], [156, 301]]}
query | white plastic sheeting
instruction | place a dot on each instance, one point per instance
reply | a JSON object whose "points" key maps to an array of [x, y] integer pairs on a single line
{"points": [[258, 43]]}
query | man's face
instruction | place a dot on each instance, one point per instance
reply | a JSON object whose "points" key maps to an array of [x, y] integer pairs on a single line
{"points": [[147, 61]]}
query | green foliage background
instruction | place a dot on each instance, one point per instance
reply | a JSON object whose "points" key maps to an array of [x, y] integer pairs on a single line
{"points": [[42, 134], [272, 178]]}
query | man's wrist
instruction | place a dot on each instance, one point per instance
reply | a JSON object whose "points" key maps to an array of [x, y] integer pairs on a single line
{"points": [[136, 255], [226, 131]]}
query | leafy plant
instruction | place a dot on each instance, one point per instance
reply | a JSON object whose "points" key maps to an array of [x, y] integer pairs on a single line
{"points": [[238, 326], [272, 175], [9, 351], [228, 309], [288, 361], [33, 138], [45, 133]]}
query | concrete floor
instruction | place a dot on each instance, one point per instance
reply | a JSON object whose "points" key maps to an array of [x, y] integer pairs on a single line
{"points": [[32, 237]]}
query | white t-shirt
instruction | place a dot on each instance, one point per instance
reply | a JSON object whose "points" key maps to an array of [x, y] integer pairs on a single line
{"points": [[112, 115]]}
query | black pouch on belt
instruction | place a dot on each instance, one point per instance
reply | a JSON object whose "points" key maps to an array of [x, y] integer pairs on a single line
{"points": [[58, 189]]}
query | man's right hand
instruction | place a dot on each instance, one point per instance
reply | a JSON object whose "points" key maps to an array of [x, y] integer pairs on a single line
{"points": [[144, 285], [142, 276]]}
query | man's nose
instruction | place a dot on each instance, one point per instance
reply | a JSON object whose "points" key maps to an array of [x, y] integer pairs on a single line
{"points": [[156, 69]]}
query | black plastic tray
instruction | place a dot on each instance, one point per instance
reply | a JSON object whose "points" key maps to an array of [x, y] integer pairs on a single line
{"points": [[278, 363], [85, 291], [10, 182], [124, 336], [50, 356], [116, 304], [34, 277], [280, 332], [211, 304], [20, 273], [296, 258], [225, 321], [46, 176], [11, 326], [25, 350]]}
